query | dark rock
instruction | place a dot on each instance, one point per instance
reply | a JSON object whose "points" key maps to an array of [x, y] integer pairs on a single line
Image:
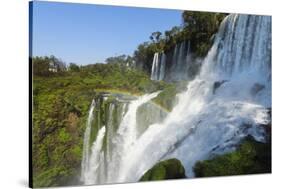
{"points": [[257, 88], [217, 84]]}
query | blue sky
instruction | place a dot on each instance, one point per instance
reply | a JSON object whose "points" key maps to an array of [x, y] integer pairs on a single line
{"points": [[85, 33]]}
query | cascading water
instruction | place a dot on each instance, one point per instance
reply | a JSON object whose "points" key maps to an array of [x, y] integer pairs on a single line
{"points": [[217, 110], [158, 66], [86, 144], [127, 135], [105, 164], [181, 59], [227, 101], [162, 66], [96, 161], [155, 67]]}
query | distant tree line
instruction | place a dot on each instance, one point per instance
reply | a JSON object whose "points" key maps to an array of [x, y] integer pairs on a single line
{"points": [[122, 60], [50, 65]]}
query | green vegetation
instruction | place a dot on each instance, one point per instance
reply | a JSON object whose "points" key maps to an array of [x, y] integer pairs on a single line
{"points": [[167, 97], [251, 157], [74, 67], [47, 66], [168, 169], [122, 60], [199, 28], [61, 102]]}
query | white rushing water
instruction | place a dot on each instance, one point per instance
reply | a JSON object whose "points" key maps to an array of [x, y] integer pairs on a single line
{"points": [[155, 67], [181, 59], [158, 66], [227, 101], [96, 160], [162, 66], [96, 168], [86, 142]]}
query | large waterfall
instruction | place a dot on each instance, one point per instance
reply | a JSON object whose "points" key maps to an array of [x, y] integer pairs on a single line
{"points": [[227, 100]]}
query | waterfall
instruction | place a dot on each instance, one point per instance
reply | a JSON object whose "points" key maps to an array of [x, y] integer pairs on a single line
{"points": [[181, 58], [96, 160], [105, 164], [175, 55], [243, 43], [162, 66], [128, 127], [113, 157], [127, 133], [204, 122], [158, 66], [155, 67], [86, 143], [188, 47], [225, 102], [179, 70]]}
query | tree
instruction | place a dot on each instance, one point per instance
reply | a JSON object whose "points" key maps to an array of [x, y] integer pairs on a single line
{"points": [[200, 27], [57, 64], [45, 66], [74, 67], [155, 36], [40, 66], [116, 59]]}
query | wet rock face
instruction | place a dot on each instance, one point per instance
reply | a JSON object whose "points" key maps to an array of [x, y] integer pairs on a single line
{"points": [[217, 84], [168, 169], [256, 88]]}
